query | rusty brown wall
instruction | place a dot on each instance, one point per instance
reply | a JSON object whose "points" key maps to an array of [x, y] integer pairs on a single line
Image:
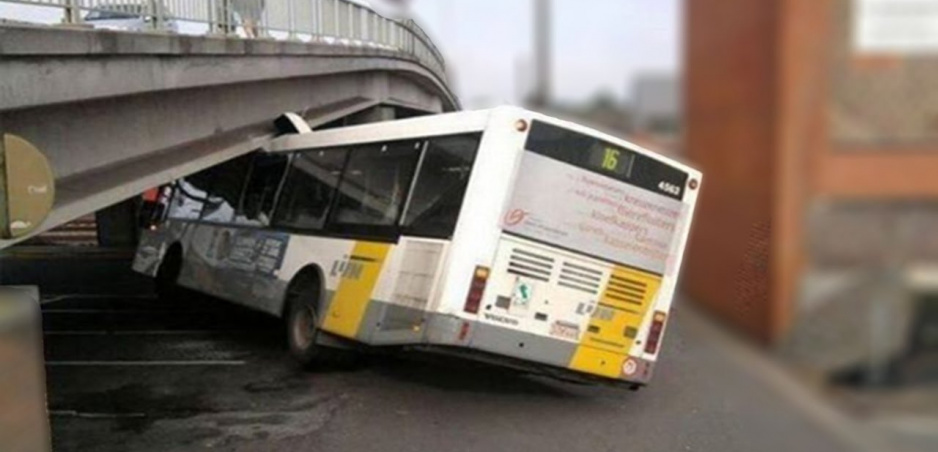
{"points": [[731, 92]]}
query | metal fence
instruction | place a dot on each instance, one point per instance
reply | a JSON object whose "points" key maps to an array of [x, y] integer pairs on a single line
{"points": [[341, 22]]}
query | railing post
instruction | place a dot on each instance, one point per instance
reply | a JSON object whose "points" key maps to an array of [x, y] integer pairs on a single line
{"points": [[365, 17], [263, 23], [222, 13], [336, 14], [72, 12], [315, 28], [291, 12], [210, 17], [351, 21], [156, 12]]}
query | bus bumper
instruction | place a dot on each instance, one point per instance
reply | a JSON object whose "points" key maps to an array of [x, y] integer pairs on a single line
{"points": [[534, 353]]}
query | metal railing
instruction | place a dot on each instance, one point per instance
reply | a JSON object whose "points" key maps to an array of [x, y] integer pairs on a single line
{"points": [[342, 22]]}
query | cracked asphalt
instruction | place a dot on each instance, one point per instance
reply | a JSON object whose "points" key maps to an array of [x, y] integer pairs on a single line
{"points": [[128, 373]]}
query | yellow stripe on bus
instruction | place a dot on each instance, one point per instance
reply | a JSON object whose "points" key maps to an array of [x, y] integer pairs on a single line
{"points": [[599, 362], [353, 295], [614, 324]]}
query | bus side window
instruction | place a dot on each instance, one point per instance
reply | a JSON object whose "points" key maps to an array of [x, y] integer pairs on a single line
{"points": [[260, 192], [309, 189], [189, 196], [375, 184], [441, 186], [225, 190]]}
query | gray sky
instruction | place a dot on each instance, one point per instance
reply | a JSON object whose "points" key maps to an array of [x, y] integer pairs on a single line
{"points": [[598, 44]]}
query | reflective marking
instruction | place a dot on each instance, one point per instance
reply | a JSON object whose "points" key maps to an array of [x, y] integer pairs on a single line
{"points": [[147, 332], [56, 298], [141, 363], [124, 311], [629, 367], [83, 415]]}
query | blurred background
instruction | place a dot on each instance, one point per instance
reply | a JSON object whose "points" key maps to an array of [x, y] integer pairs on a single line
{"points": [[816, 126], [616, 64]]}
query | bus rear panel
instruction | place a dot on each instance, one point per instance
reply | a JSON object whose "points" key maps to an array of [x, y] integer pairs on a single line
{"points": [[585, 267]]}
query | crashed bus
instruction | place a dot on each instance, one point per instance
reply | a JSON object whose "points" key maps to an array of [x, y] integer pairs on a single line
{"points": [[501, 235]]}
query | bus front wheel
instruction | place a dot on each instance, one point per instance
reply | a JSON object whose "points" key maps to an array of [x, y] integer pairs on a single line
{"points": [[302, 323]]}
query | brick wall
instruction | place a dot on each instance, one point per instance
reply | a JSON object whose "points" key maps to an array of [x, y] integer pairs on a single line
{"points": [[730, 95]]}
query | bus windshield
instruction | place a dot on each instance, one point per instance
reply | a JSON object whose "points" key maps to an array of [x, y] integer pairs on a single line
{"points": [[606, 201]]}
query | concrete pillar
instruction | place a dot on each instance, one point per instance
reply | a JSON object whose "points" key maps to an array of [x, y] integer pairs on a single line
{"points": [[543, 53], [24, 422], [117, 225]]}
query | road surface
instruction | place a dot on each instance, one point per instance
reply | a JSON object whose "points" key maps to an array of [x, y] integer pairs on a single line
{"points": [[129, 373]]}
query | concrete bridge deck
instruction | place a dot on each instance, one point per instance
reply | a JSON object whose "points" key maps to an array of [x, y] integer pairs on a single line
{"points": [[117, 113]]}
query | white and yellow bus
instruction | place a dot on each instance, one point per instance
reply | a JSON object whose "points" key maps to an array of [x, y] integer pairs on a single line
{"points": [[502, 235]]}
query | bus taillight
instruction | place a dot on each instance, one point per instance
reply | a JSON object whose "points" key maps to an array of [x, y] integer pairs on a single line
{"points": [[474, 299], [654, 336]]}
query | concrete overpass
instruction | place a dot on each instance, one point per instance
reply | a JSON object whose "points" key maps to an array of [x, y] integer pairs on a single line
{"points": [[117, 113]]}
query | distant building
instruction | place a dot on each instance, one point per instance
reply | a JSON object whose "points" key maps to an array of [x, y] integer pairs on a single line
{"points": [[656, 106]]}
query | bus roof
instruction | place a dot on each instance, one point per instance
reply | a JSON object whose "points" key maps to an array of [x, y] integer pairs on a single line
{"points": [[445, 124]]}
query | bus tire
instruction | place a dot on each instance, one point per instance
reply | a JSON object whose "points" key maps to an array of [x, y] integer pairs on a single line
{"points": [[168, 273], [302, 322]]}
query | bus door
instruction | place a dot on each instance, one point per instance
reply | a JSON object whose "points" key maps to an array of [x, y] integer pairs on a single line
{"points": [[427, 224], [416, 264]]}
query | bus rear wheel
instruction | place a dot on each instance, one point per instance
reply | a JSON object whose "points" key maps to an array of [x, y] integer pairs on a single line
{"points": [[302, 323]]}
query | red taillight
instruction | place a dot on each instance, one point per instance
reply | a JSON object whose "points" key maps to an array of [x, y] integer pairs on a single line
{"points": [[654, 335], [464, 332], [476, 288]]}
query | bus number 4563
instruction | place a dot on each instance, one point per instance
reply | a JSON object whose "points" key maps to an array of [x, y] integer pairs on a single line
{"points": [[669, 188]]}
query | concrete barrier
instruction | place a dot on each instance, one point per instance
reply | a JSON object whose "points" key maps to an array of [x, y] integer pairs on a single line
{"points": [[24, 424]]}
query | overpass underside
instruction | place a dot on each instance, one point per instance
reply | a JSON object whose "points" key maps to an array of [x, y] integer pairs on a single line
{"points": [[118, 113]]}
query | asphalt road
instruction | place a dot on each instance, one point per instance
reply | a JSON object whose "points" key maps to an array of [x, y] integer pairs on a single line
{"points": [[128, 373]]}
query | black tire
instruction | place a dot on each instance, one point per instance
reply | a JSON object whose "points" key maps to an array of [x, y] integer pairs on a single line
{"points": [[302, 322], [166, 276]]}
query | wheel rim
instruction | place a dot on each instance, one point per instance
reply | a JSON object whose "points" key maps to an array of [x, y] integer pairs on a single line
{"points": [[304, 327]]}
